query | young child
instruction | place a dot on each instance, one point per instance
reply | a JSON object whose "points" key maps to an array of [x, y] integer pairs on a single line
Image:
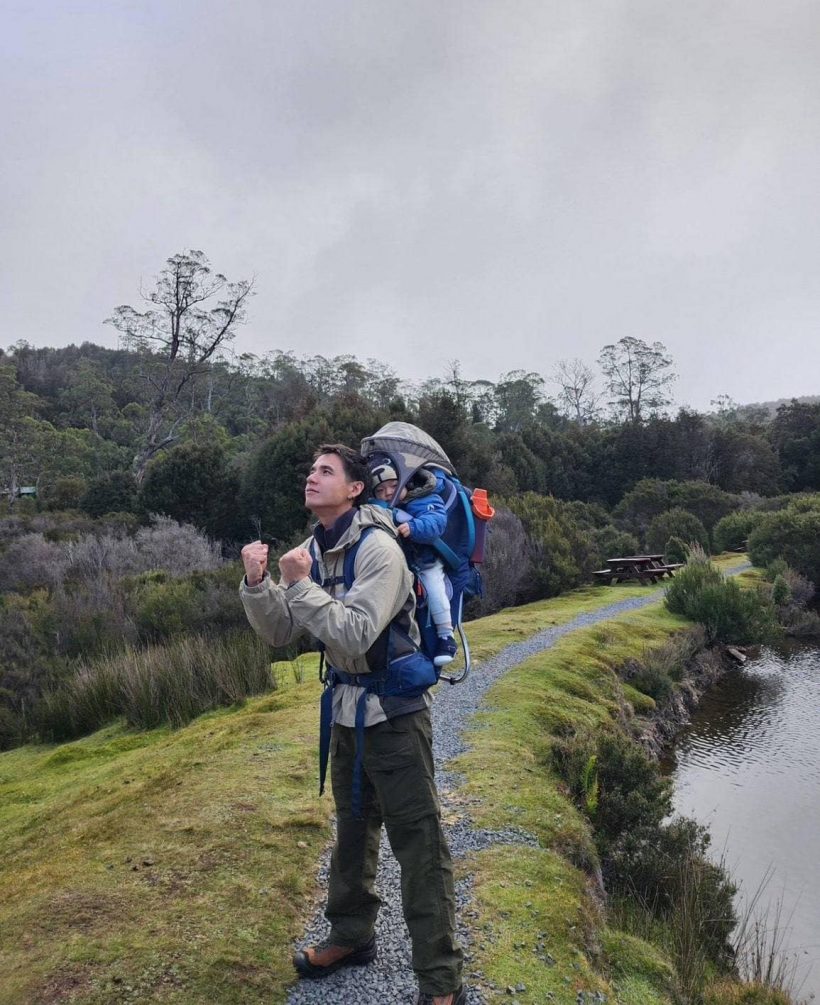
{"points": [[421, 518]]}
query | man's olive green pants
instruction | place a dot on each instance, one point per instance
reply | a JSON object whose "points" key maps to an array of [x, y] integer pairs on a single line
{"points": [[398, 789]]}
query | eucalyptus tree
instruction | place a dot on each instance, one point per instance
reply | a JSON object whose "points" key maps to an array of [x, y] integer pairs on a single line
{"points": [[24, 439], [637, 376], [517, 395], [192, 315]]}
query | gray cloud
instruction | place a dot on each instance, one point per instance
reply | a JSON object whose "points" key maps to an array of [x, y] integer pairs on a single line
{"points": [[505, 183]]}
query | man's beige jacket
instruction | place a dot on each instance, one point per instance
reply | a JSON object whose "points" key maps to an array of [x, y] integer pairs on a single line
{"points": [[348, 623]]}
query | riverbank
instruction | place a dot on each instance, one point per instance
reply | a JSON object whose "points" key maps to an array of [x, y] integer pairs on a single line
{"points": [[509, 772], [541, 927]]}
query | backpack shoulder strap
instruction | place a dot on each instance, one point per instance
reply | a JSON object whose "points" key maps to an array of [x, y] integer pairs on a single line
{"points": [[314, 568], [315, 573], [349, 572]]}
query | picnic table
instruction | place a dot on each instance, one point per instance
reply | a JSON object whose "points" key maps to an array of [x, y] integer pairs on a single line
{"points": [[644, 568]]}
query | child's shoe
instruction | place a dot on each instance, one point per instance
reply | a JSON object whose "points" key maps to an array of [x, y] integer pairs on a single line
{"points": [[445, 650]]}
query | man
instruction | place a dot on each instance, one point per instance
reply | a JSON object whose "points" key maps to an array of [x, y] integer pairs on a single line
{"points": [[395, 779]]}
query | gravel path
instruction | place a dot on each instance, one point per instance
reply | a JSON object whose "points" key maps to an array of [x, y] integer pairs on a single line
{"points": [[390, 978]]}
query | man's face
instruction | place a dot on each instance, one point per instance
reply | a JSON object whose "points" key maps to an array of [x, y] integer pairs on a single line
{"points": [[327, 487]]}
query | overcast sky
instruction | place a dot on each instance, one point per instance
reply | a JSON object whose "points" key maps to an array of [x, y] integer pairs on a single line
{"points": [[508, 183]]}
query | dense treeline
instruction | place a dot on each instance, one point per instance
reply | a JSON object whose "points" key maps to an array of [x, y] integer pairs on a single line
{"points": [[129, 491], [78, 414]]}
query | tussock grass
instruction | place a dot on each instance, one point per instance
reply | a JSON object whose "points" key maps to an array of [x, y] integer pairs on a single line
{"points": [[729, 993], [167, 684]]}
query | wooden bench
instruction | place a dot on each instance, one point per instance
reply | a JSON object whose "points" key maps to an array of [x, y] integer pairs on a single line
{"points": [[603, 576]]}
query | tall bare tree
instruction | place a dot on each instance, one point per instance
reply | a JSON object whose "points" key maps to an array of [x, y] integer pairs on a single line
{"points": [[576, 395], [637, 376], [192, 314]]}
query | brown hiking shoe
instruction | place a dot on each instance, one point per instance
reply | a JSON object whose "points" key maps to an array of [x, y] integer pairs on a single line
{"points": [[458, 997], [326, 958]]}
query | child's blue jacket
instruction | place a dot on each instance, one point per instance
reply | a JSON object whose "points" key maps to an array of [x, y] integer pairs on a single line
{"points": [[427, 518]]}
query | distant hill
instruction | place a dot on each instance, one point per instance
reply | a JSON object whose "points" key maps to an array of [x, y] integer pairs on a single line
{"points": [[771, 407]]}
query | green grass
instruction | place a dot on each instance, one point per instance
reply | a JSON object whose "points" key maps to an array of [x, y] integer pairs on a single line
{"points": [[509, 779], [489, 635], [179, 866], [172, 866]]}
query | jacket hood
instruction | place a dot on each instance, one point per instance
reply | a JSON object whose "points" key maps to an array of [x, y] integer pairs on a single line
{"points": [[423, 483]]}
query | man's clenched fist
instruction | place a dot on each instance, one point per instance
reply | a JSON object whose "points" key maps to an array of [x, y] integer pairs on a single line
{"points": [[295, 565], [255, 560]]}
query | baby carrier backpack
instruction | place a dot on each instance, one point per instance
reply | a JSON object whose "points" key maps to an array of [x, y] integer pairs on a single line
{"points": [[461, 546]]}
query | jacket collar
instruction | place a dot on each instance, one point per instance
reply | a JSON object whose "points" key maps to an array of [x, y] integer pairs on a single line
{"points": [[327, 539]]}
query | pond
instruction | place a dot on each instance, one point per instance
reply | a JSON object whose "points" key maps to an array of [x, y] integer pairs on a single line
{"points": [[748, 767]]}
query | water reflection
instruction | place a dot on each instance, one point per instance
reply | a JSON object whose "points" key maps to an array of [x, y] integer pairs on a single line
{"points": [[749, 767]]}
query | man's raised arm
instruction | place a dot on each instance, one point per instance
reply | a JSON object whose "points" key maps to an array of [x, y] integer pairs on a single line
{"points": [[265, 602]]}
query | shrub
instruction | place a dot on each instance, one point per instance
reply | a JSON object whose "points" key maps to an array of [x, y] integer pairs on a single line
{"points": [[652, 497], [564, 554], [802, 590], [89, 618], [613, 543], [776, 568], [731, 533], [675, 523], [632, 794], [666, 868], [661, 666], [30, 562], [728, 613], [65, 493], [115, 491], [653, 679], [177, 549], [676, 550], [507, 568], [663, 867], [790, 593], [58, 526], [162, 606], [792, 534], [629, 789], [781, 594]]}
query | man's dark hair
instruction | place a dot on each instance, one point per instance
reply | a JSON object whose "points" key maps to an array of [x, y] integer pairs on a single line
{"points": [[355, 466]]}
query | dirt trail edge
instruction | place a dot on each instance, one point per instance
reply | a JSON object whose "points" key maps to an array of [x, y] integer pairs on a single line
{"points": [[390, 980]]}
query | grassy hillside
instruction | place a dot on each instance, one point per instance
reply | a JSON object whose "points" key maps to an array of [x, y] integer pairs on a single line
{"points": [[179, 866]]}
